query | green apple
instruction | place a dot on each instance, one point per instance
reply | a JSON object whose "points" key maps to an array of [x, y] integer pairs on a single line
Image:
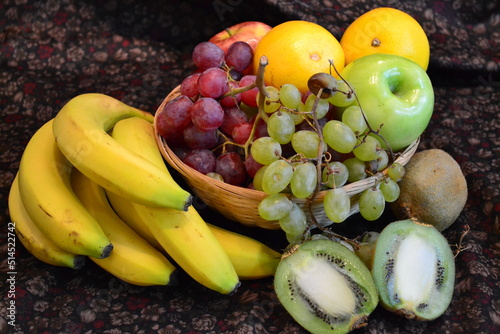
{"points": [[395, 93]]}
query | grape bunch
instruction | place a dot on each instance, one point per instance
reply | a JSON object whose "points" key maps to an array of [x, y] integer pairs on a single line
{"points": [[210, 111], [278, 140]]}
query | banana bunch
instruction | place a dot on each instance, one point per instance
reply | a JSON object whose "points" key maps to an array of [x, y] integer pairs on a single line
{"points": [[92, 183]]}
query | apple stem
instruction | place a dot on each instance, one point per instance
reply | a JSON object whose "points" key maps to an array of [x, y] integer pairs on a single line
{"points": [[229, 32]]}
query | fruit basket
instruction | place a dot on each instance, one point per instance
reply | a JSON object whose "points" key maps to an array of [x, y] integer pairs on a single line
{"points": [[241, 204]]}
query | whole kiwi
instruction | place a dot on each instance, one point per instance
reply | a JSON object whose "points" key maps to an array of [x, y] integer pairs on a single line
{"points": [[433, 190]]}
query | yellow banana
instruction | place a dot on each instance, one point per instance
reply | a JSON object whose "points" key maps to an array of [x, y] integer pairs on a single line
{"points": [[251, 259], [45, 189], [183, 234], [33, 239], [130, 216], [80, 129], [133, 259]]}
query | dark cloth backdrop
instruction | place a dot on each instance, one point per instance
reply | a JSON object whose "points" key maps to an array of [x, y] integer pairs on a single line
{"points": [[137, 51]]}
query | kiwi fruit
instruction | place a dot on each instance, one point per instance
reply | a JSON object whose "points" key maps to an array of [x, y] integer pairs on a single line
{"points": [[325, 287], [413, 270], [433, 190]]}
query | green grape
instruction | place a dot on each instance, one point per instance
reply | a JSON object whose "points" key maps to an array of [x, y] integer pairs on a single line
{"points": [[277, 177], [306, 142], [382, 160], [353, 118], [339, 136], [275, 207], [290, 96], [356, 168], [368, 149], [337, 205], [265, 150], [304, 180], [257, 179], [281, 127], [271, 103], [298, 117], [339, 99], [319, 236], [371, 204], [390, 190], [321, 109], [297, 239], [335, 174], [215, 176], [396, 171], [294, 223]]}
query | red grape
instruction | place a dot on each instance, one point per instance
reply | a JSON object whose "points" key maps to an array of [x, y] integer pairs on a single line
{"points": [[231, 168], [232, 117], [239, 55], [231, 100], [235, 75], [241, 132], [189, 85], [261, 128], [177, 112], [202, 160], [206, 55], [252, 166], [249, 97], [196, 138], [212, 82], [207, 114]]}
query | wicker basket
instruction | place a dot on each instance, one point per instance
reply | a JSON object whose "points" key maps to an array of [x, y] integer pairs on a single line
{"points": [[240, 204]]}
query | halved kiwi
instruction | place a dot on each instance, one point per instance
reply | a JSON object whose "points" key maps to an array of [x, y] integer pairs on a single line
{"points": [[325, 287], [414, 270]]}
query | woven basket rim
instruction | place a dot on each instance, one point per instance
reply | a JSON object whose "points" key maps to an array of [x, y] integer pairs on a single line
{"points": [[199, 180]]}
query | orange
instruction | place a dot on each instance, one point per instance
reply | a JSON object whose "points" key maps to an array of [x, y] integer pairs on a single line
{"points": [[296, 50], [386, 30]]}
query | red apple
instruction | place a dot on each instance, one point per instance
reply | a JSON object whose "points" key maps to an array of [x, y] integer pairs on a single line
{"points": [[250, 32]]}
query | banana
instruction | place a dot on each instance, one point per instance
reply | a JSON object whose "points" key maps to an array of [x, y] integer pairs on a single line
{"points": [[133, 259], [45, 189], [130, 216], [33, 239], [80, 129], [184, 235], [251, 259]]}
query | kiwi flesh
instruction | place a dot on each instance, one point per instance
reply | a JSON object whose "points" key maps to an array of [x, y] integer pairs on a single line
{"points": [[433, 190], [325, 287], [414, 270]]}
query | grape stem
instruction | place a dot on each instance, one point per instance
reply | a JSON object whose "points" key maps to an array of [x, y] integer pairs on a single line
{"points": [[259, 83]]}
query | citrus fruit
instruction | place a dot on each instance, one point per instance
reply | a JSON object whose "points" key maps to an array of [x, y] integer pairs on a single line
{"points": [[296, 50], [386, 30]]}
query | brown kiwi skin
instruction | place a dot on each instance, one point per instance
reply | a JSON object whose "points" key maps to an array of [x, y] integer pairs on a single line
{"points": [[433, 190]]}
